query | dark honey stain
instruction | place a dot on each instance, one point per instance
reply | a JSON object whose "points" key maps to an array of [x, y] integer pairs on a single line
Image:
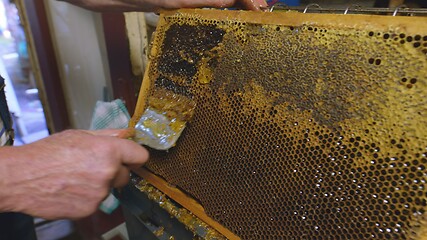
{"points": [[168, 84], [183, 48], [295, 78]]}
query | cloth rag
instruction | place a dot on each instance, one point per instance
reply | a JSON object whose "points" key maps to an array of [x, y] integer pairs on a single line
{"points": [[110, 115]]}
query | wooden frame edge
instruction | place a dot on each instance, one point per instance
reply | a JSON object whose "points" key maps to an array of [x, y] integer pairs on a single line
{"points": [[183, 199]]}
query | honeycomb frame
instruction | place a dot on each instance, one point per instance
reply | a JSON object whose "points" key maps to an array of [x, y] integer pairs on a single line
{"points": [[306, 125]]}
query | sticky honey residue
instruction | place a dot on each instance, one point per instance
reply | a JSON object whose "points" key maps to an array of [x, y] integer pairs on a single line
{"points": [[205, 74], [157, 129], [173, 106]]}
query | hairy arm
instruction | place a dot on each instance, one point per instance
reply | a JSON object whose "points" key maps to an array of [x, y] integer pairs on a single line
{"points": [[156, 5], [67, 174]]}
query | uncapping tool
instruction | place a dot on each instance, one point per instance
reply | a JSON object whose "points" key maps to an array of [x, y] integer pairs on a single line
{"points": [[164, 119]]}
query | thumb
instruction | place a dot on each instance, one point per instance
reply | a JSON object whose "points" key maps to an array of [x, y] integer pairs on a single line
{"points": [[120, 133], [132, 154]]}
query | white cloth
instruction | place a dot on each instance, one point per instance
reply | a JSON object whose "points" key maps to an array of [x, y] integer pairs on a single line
{"points": [[110, 115]]}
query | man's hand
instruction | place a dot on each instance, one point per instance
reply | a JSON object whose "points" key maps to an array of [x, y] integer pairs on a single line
{"points": [[156, 5], [67, 174]]}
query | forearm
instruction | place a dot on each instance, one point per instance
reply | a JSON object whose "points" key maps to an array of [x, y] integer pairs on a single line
{"points": [[21, 168], [39, 178], [36, 176], [10, 163]]}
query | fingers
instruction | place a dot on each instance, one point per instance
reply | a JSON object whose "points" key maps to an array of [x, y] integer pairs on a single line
{"points": [[255, 5], [131, 153], [120, 133], [122, 177], [155, 5], [245, 4]]}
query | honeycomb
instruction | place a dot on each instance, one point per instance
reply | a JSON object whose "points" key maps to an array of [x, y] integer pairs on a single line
{"points": [[307, 126]]}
